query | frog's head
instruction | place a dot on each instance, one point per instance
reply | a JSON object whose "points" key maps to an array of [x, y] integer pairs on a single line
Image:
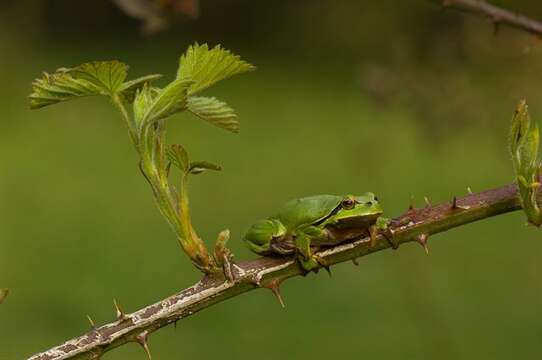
{"points": [[357, 211]]}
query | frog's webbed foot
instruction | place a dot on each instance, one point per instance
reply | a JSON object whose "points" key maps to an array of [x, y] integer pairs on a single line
{"points": [[313, 263], [382, 224]]}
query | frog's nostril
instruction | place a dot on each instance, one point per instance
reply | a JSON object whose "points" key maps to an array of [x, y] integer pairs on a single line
{"points": [[370, 203]]}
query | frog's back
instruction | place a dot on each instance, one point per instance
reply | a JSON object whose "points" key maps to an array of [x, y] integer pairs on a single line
{"points": [[307, 210]]}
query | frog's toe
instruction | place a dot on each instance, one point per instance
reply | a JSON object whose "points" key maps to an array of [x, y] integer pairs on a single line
{"points": [[323, 263], [314, 263], [308, 265], [258, 249]]}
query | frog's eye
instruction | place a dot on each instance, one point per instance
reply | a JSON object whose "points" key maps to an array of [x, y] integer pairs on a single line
{"points": [[348, 203]]}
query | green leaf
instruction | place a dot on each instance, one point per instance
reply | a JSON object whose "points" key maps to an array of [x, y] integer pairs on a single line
{"points": [[108, 76], [197, 167], [60, 86], [94, 78], [179, 157], [129, 88], [168, 101], [214, 111], [208, 66]]}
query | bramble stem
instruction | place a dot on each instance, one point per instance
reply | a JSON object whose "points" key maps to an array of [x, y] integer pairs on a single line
{"points": [[413, 225]]}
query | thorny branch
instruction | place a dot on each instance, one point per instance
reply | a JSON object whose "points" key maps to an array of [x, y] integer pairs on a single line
{"points": [[496, 14], [413, 225]]}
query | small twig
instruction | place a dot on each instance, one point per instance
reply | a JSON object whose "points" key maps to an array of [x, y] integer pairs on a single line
{"points": [[496, 14], [268, 273]]}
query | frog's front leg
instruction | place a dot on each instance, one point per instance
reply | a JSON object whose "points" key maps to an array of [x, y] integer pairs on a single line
{"points": [[303, 239], [382, 224]]}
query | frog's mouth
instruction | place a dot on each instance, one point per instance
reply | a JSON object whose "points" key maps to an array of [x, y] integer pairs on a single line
{"points": [[357, 221]]}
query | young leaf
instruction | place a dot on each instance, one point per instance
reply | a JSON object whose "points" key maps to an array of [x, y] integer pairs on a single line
{"points": [[524, 148], [207, 66], [130, 88], [94, 78], [197, 167], [214, 111], [179, 157], [142, 102], [169, 100], [60, 86], [521, 123], [108, 76]]}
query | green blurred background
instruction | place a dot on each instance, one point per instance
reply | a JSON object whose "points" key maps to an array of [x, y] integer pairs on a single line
{"points": [[398, 98]]}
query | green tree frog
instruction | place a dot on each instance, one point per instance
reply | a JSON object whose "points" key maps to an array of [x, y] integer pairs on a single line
{"points": [[306, 224]]}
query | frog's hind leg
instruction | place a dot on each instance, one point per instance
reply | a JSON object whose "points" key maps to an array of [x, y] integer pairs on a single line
{"points": [[262, 234]]}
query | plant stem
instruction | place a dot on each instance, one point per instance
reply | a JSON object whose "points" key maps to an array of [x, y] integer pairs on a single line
{"points": [[174, 207], [496, 14], [119, 104], [266, 272]]}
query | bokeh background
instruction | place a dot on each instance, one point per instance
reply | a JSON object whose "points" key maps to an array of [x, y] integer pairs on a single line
{"points": [[398, 98]]}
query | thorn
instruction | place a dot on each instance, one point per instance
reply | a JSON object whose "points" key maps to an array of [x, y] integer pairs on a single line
{"points": [[120, 314], [227, 268], [141, 339], [469, 190], [411, 203], [422, 240], [92, 323], [454, 203], [427, 202], [456, 206], [256, 279], [328, 269], [355, 261], [274, 286]]}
